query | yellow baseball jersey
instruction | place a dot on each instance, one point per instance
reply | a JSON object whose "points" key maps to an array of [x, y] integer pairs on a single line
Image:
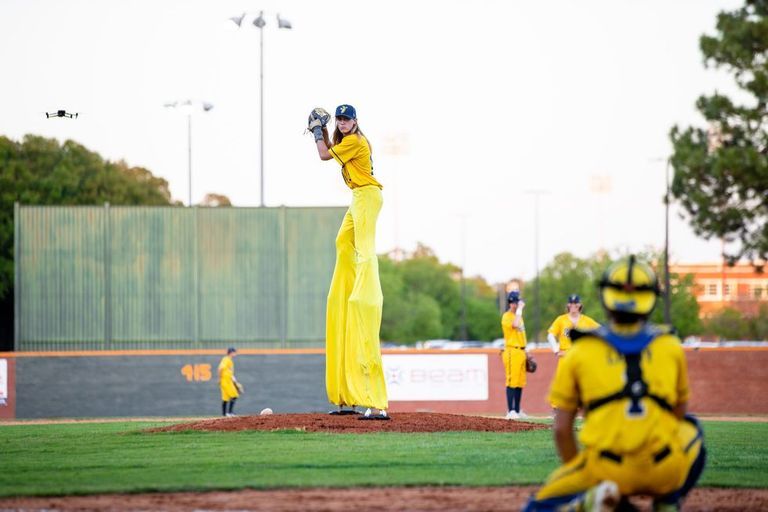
{"points": [[354, 155], [226, 384], [562, 326], [594, 369], [513, 336]]}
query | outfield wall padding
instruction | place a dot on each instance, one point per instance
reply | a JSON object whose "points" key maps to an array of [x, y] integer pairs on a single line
{"points": [[184, 383]]}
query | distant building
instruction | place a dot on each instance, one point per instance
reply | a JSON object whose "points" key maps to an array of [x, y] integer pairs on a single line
{"points": [[718, 286]]}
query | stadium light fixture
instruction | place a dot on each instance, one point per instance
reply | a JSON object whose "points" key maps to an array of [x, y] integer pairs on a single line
{"points": [[260, 22]]}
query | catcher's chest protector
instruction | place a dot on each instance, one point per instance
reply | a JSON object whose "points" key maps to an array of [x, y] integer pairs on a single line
{"points": [[631, 349]]}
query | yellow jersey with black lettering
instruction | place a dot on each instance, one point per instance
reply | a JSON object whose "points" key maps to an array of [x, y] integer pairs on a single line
{"points": [[354, 155], [562, 326], [514, 337], [594, 369]]}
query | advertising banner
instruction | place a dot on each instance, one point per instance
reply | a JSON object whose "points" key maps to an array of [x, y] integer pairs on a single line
{"points": [[430, 377]]}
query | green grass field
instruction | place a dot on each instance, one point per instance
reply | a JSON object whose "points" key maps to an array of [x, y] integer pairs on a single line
{"points": [[88, 458]]}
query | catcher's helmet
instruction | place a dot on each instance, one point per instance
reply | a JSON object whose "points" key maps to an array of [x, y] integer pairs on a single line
{"points": [[628, 289], [513, 297]]}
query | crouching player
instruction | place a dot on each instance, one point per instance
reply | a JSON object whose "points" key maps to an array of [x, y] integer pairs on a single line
{"points": [[631, 379]]}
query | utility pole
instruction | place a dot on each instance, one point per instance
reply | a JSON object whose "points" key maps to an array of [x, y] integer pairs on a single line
{"points": [[536, 297]]}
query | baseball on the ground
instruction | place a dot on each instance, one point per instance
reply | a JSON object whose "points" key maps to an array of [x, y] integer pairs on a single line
{"points": [[266, 412]]}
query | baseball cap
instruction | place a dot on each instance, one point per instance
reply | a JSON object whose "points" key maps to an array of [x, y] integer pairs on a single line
{"points": [[574, 299], [514, 297], [346, 111]]}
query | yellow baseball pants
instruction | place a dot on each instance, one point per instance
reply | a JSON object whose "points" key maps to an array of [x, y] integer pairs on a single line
{"points": [[668, 473], [353, 371], [514, 367]]}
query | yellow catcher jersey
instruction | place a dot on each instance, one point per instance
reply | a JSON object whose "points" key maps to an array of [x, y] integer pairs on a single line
{"points": [[594, 369], [513, 336], [562, 326], [354, 155]]}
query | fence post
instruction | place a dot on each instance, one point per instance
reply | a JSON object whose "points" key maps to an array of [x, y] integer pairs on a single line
{"points": [[16, 276], [107, 278], [284, 243], [196, 275]]}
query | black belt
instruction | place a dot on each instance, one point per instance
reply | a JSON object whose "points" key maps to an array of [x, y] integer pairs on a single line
{"points": [[519, 348], [657, 457]]}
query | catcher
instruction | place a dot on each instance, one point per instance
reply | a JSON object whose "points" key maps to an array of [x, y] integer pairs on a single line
{"points": [[631, 379], [230, 388], [354, 374]]}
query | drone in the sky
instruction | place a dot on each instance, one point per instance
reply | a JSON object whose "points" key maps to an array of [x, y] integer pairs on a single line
{"points": [[61, 113]]}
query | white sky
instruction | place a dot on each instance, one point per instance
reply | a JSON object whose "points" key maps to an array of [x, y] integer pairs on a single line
{"points": [[485, 99]]}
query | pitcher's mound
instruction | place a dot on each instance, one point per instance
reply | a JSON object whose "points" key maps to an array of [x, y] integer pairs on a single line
{"points": [[399, 422]]}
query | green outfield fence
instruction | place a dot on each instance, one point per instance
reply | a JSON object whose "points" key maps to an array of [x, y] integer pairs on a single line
{"points": [[105, 278]]}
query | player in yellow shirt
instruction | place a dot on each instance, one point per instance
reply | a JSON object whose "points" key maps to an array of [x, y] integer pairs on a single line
{"points": [[354, 375], [513, 327], [559, 333], [631, 379], [230, 388]]}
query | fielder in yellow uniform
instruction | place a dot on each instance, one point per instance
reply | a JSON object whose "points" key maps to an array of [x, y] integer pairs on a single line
{"points": [[631, 380], [559, 333], [230, 388], [354, 375], [513, 327]]}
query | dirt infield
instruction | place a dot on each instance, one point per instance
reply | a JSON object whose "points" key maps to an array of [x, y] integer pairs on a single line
{"points": [[377, 499], [401, 422]]}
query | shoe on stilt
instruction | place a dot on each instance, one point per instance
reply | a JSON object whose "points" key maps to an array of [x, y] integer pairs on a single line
{"points": [[344, 412], [367, 415]]}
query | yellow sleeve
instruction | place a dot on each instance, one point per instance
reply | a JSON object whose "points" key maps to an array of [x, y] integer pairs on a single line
{"points": [[346, 150], [589, 323], [555, 329], [564, 393], [506, 325]]}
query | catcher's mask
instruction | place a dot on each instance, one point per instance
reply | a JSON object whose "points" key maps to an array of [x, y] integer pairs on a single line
{"points": [[628, 290], [347, 111]]}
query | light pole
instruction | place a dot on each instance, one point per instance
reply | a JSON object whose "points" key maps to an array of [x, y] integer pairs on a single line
{"points": [[667, 311], [259, 22], [666, 293], [537, 302], [189, 104]]}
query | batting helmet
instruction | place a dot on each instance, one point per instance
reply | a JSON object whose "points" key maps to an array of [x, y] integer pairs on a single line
{"points": [[513, 297], [628, 290]]}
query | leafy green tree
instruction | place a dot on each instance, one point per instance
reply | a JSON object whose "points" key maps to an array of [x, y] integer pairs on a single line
{"points": [[425, 274], [565, 275], [483, 318], [42, 171], [760, 323], [408, 315], [422, 300], [721, 174], [728, 324]]}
